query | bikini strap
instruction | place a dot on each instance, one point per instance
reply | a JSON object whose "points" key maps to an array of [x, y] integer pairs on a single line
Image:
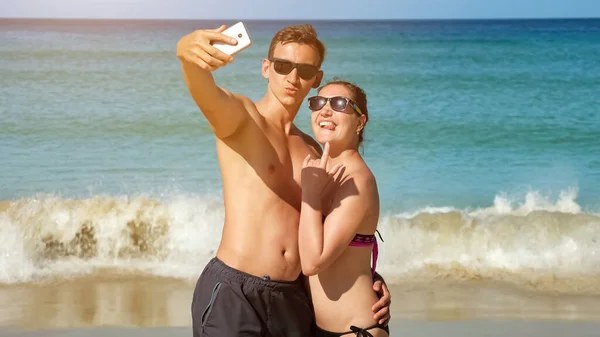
{"points": [[375, 254], [362, 332], [377, 231]]}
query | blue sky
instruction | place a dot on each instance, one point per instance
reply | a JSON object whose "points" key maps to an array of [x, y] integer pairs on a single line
{"points": [[315, 9]]}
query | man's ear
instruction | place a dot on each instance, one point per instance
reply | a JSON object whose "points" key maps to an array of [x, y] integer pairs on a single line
{"points": [[266, 64], [318, 79]]}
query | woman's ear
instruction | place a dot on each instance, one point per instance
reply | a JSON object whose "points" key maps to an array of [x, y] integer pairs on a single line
{"points": [[361, 123]]}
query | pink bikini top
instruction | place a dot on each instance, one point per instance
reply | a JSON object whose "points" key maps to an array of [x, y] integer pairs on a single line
{"points": [[361, 240]]}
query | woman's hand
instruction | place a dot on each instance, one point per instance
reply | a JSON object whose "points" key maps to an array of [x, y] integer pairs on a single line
{"points": [[315, 175]]}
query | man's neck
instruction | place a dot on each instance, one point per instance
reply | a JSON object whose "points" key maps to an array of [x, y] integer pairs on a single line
{"points": [[277, 113]]}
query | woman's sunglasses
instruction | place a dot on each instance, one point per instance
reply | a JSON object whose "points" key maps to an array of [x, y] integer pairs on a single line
{"points": [[337, 103], [284, 67]]}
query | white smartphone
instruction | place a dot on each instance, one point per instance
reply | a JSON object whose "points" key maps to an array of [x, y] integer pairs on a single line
{"points": [[238, 32]]}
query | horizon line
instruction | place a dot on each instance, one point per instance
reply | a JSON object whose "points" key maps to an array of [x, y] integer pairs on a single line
{"points": [[306, 19]]}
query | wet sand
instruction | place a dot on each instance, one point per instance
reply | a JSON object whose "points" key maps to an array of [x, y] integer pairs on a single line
{"points": [[474, 328], [154, 306], [130, 301]]}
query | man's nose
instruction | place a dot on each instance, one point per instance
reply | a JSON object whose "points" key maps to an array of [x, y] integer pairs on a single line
{"points": [[293, 76]]}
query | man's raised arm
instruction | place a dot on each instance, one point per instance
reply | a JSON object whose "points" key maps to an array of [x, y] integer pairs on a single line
{"points": [[224, 111]]}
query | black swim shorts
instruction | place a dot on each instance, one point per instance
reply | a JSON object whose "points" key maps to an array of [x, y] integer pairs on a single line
{"points": [[228, 302]]}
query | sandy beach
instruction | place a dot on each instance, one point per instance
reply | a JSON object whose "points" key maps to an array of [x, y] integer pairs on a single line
{"points": [[476, 328], [153, 306]]}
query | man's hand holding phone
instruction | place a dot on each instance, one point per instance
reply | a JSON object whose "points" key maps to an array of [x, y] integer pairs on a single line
{"points": [[197, 48]]}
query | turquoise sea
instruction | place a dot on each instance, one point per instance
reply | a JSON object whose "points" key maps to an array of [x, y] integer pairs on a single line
{"points": [[484, 137]]}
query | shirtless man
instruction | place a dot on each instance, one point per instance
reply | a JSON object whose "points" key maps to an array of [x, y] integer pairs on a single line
{"points": [[253, 287]]}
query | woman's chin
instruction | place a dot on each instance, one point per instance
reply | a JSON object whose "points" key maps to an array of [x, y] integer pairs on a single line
{"points": [[322, 139], [323, 136]]}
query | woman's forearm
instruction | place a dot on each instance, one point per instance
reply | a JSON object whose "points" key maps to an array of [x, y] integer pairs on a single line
{"points": [[310, 237]]}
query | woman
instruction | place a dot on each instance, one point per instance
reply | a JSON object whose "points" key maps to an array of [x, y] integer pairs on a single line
{"points": [[339, 215]]}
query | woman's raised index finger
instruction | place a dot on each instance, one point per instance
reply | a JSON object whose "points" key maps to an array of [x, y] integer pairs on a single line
{"points": [[325, 156]]}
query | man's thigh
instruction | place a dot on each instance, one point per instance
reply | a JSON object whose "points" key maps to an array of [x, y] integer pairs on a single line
{"points": [[220, 308], [291, 314]]}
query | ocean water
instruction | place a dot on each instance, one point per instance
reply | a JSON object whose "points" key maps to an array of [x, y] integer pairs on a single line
{"points": [[484, 137]]}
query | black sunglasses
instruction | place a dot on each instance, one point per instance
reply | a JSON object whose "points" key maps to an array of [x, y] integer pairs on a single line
{"points": [[284, 67], [337, 103]]}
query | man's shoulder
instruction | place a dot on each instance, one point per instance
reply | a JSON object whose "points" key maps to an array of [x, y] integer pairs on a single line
{"points": [[311, 142], [245, 101], [249, 107], [242, 99]]}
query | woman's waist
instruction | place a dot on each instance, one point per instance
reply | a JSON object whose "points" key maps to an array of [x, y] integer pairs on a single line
{"points": [[338, 307]]}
